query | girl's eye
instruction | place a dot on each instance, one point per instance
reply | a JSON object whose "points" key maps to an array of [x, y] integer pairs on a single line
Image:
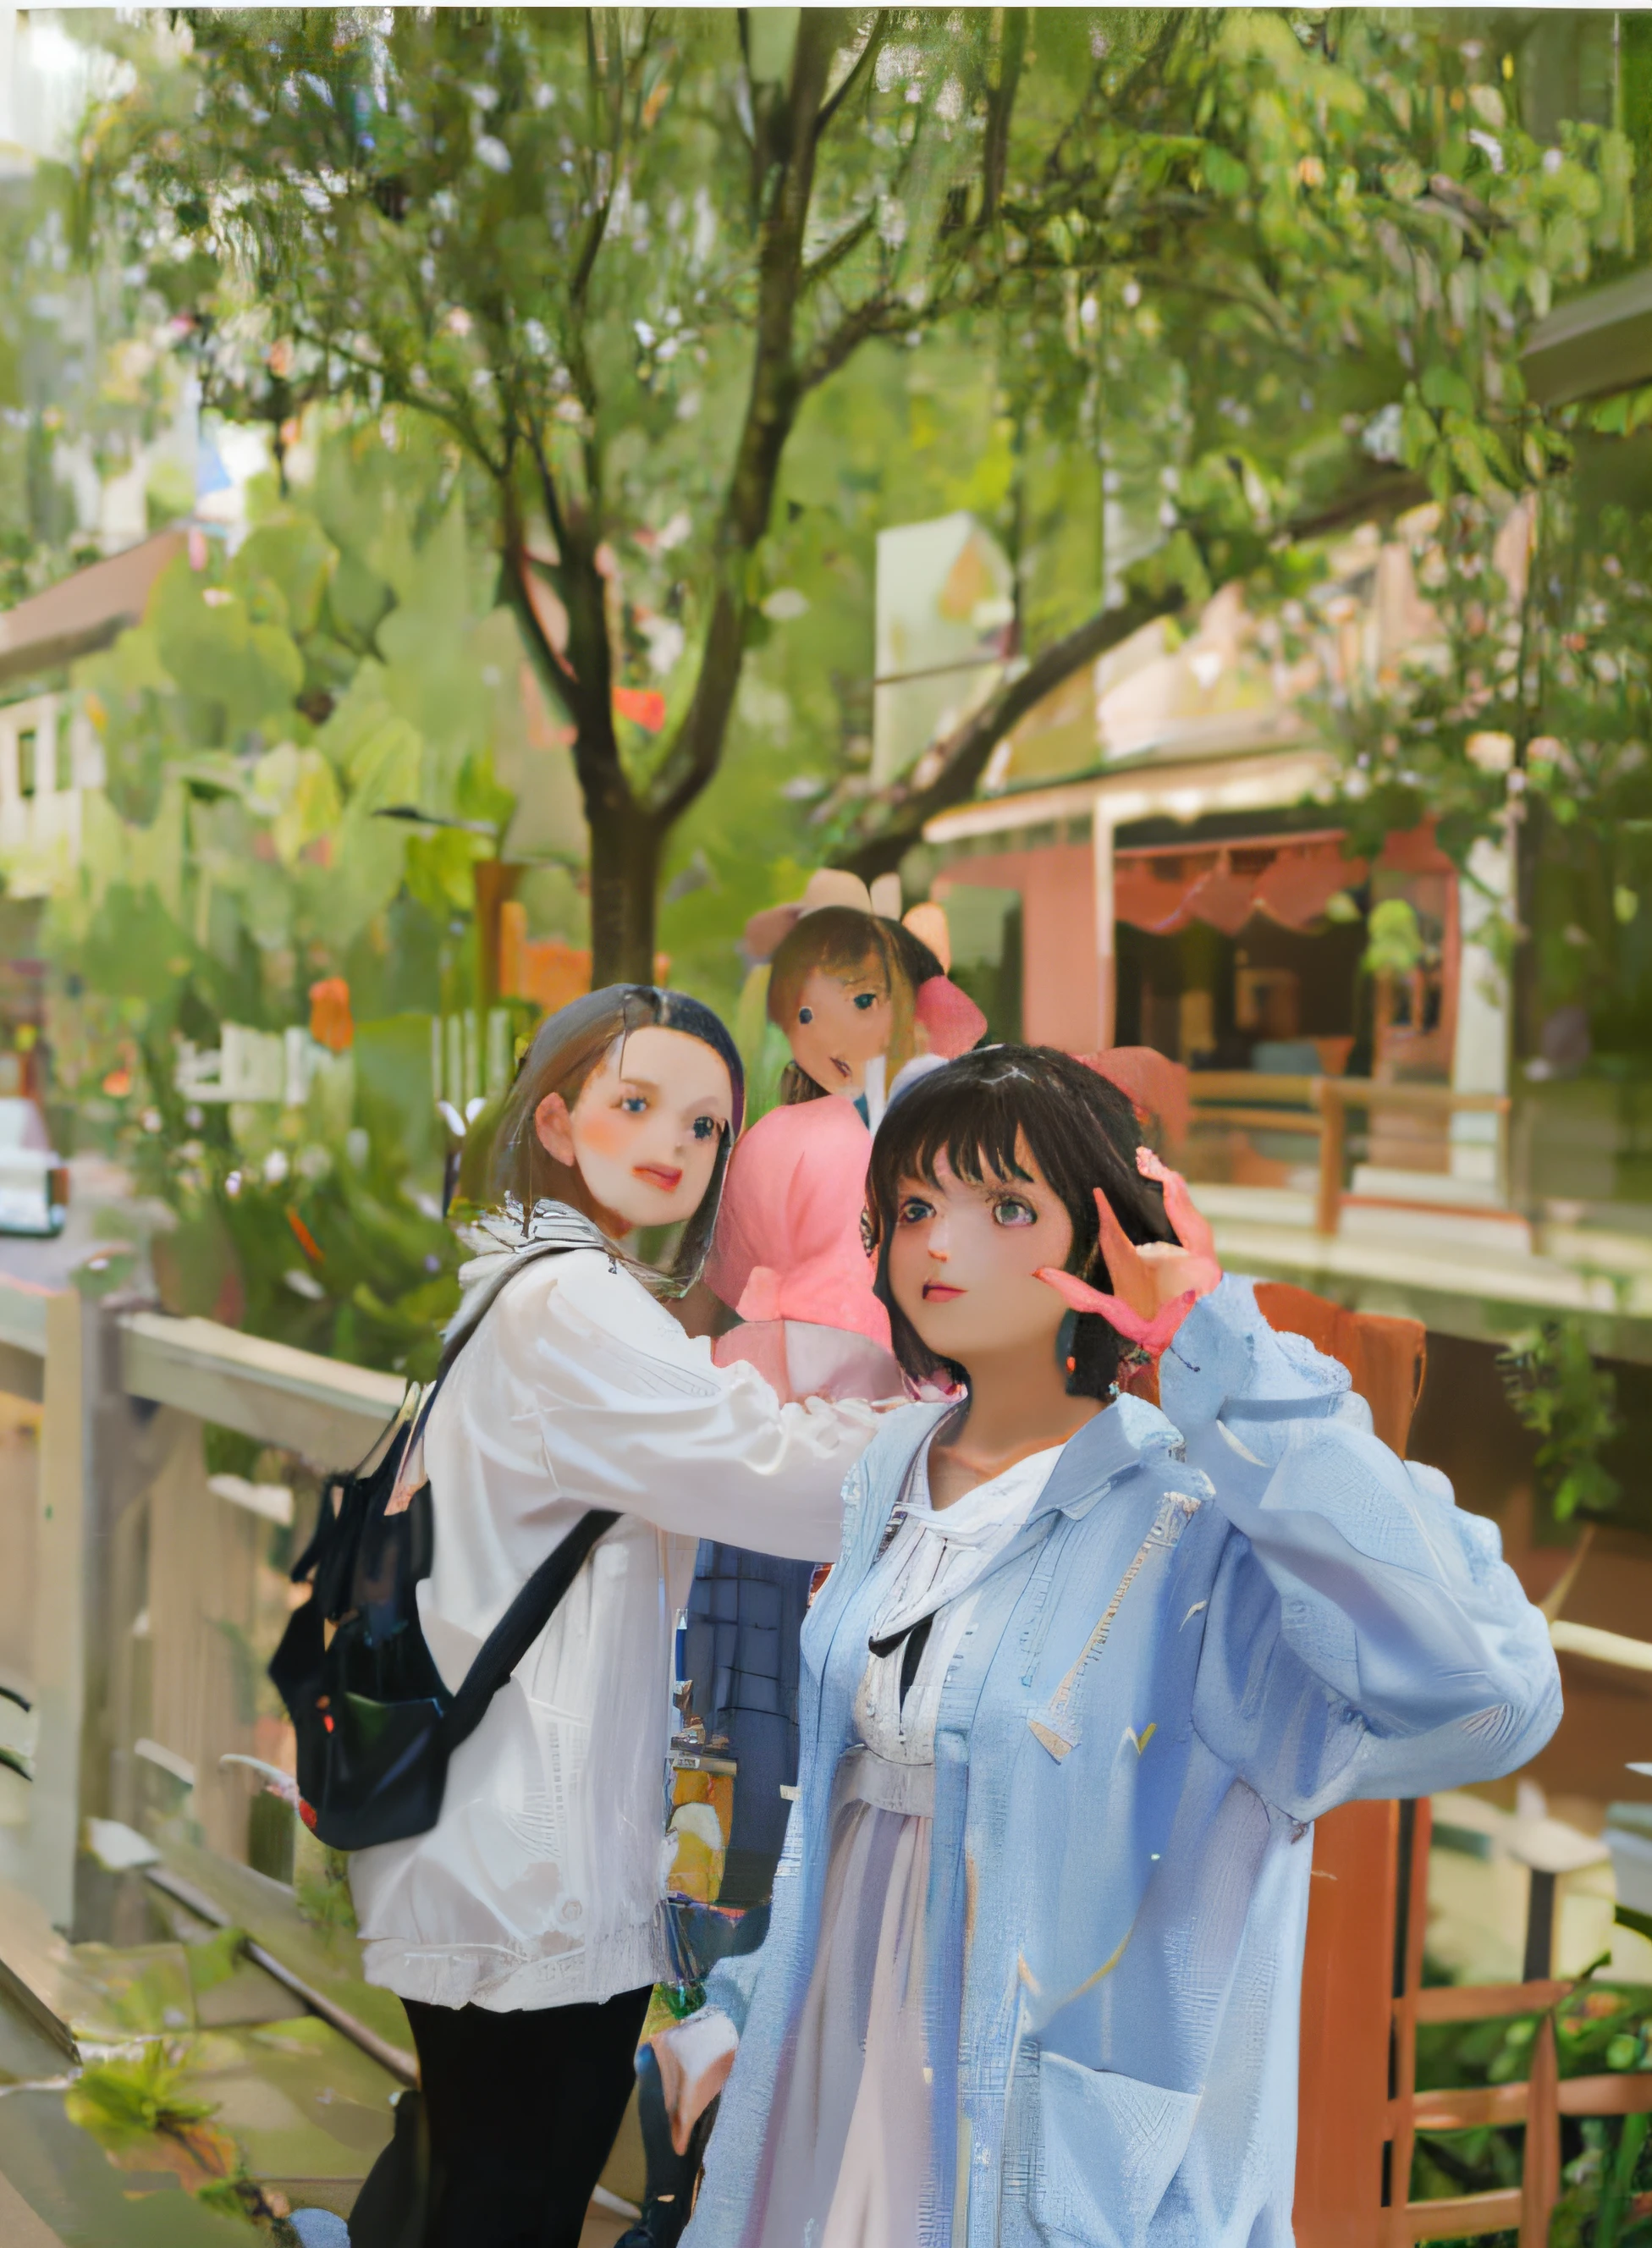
{"points": [[914, 1209], [705, 1128], [806, 1014], [633, 1103], [1013, 1211], [865, 1000]]}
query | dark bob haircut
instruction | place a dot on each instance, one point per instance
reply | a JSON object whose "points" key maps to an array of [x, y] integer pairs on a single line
{"points": [[569, 1047], [983, 1112]]}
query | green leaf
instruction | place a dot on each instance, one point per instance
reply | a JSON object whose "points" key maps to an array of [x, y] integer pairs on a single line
{"points": [[1224, 174], [1419, 435], [1442, 387], [293, 554], [214, 1958]]}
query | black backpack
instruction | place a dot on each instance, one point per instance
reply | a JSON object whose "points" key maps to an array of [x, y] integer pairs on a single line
{"points": [[375, 1724]]}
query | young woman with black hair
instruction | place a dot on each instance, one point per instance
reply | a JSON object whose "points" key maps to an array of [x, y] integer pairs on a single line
{"points": [[524, 1931], [1085, 1673]]}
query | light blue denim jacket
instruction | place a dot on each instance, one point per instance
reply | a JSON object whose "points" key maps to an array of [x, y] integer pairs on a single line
{"points": [[1219, 1621]]}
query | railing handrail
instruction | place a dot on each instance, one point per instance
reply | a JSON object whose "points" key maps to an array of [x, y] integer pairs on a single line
{"points": [[1317, 1107], [155, 1343], [1206, 1087], [325, 1409]]}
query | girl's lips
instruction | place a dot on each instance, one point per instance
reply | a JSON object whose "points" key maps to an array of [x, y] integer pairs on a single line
{"points": [[841, 1067], [658, 1174], [938, 1292]]}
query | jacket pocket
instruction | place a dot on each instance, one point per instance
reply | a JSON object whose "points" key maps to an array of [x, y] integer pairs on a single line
{"points": [[1108, 2146]]}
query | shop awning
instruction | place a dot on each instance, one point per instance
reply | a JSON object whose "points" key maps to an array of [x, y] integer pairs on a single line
{"points": [[1292, 882]]}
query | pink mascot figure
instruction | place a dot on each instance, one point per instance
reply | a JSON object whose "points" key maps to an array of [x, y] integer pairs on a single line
{"points": [[857, 998]]}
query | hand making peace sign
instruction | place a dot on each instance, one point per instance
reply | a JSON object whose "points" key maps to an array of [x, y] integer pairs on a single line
{"points": [[1157, 1283]]}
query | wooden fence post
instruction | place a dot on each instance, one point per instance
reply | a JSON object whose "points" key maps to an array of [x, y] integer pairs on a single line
{"points": [[47, 1845], [1417, 1823], [1347, 2005], [92, 1463], [1333, 1141], [1540, 2174]]}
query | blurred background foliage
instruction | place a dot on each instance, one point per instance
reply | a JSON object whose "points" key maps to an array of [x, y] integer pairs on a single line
{"points": [[346, 663], [80, 393]]}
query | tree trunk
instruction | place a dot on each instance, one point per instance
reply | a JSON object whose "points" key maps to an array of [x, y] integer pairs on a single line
{"points": [[626, 838], [626, 845]]}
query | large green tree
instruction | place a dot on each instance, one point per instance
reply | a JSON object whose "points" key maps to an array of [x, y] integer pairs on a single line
{"points": [[1331, 331], [612, 252], [622, 255]]}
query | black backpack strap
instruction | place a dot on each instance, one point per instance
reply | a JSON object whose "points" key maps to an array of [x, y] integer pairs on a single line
{"points": [[520, 1625], [496, 1288]]}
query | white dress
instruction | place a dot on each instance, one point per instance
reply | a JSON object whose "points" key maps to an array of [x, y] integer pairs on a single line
{"points": [[540, 1884], [849, 2138]]}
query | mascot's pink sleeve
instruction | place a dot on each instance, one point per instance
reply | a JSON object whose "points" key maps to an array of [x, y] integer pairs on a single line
{"points": [[788, 1237]]}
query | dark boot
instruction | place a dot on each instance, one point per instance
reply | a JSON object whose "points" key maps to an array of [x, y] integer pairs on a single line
{"points": [[672, 2177], [393, 2206]]}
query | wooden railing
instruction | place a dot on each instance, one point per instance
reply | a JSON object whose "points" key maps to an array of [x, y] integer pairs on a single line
{"points": [[1316, 1108], [1538, 2104], [134, 1588], [1367, 1922]]}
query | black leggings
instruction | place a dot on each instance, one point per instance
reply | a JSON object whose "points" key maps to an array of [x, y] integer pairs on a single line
{"points": [[523, 2110]]}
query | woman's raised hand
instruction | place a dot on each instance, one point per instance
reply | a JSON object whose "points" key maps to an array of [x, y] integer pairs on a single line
{"points": [[1157, 1283]]}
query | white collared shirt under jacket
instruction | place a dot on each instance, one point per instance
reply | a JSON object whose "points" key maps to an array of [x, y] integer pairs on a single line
{"points": [[540, 1884]]}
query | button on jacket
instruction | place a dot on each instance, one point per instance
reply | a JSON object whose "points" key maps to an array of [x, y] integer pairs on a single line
{"points": [[1218, 1621]]}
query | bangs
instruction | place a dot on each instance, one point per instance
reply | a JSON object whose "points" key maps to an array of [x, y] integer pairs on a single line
{"points": [[989, 1113], [837, 940], [980, 1128]]}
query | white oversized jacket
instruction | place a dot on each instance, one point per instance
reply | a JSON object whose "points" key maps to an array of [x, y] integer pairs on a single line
{"points": [[540, 1884]]}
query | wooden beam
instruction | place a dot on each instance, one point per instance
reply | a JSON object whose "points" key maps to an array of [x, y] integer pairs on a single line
{"points": [[1461, 2214], [324, 1410], [1595, 344], [1488, 2002]]}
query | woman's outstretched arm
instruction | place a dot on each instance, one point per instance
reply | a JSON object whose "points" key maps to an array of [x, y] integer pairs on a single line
{"points": [[637, 1417]]}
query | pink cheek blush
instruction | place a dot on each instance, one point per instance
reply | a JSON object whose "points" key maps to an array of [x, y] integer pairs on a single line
{"points": [[606, 1131]]}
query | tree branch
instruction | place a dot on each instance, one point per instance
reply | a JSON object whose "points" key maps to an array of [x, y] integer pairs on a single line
{"points": [[886, 315], [772, 407], [886, 827], [863, 62], [547, 488], [402, 392], [514, 563], [598, 225], [835, 253], [995, 154]]}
